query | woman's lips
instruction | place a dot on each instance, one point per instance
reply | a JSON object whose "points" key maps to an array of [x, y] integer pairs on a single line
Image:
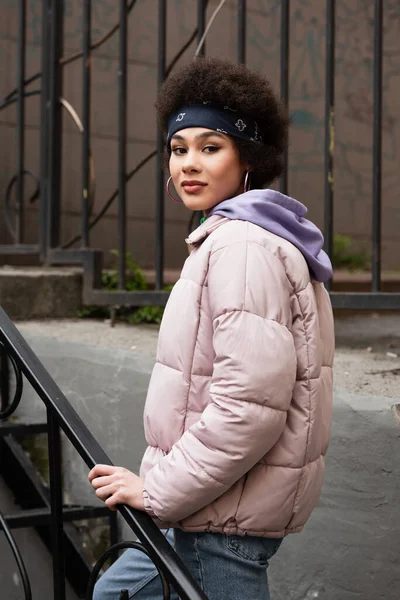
{"points": [[193, 187]]}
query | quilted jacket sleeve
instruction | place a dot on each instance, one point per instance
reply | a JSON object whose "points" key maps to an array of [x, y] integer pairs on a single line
{"points": [[251, 388]]}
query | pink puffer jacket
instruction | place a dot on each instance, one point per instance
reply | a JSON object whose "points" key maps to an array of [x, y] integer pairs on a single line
{"points": [[238, 412]]}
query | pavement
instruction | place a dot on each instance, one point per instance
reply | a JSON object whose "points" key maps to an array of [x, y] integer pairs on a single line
{"points": [[350, 548]]}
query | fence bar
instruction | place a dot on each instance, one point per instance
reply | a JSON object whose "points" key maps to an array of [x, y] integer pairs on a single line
{"points": [[56, 526], [114, 532], [86, 81], [241, 50], [55, 123], [329, 127], [122, 136], [201, 24], [160, 195], [366, 300], [44, 97], [4, 380], [21, 120], [285, 32], [377, 148]]}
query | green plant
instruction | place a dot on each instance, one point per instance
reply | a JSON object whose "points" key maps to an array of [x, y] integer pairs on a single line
{"points": [[134, 276], [344, 257], [146, 314], [134, 280], [93, 312]]}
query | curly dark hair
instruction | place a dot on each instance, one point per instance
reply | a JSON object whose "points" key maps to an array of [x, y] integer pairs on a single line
{"points": [[217, 80]]}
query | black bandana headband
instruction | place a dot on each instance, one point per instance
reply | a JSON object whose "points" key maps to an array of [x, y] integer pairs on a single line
{"points": [[225, 120]]}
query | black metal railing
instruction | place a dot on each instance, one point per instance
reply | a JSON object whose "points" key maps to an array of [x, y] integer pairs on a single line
{"points": [[30, 490], [62, 417], [49, 247]]}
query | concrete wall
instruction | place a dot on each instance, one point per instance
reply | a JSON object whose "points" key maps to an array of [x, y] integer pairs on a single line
{"points": [[354, 106]]}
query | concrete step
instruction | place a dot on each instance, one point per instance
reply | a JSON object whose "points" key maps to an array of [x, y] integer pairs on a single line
{"points": [[40, 292]]}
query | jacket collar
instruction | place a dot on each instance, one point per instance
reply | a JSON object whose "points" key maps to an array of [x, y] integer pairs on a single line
{"points": [[204, 230]]}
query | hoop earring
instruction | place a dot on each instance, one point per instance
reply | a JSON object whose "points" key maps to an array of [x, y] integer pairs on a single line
{"points": [[246, 182], [169, 193]]}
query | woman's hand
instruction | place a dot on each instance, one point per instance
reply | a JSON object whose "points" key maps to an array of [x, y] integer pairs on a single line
{"points": [[116, 485]]}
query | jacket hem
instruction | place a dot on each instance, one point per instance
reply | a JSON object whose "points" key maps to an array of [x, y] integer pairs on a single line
{"points": [[233, 530]]}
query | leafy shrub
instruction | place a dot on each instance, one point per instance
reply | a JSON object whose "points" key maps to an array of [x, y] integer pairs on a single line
{"points": [[134, 276], [135, 280], [344, 257]]}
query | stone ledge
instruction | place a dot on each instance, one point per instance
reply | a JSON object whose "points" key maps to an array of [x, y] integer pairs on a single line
{"points": [[40, 292]]}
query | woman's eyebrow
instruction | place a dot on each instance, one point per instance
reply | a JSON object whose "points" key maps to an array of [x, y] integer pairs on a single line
{"points": [[203, 135], [207, 134]]}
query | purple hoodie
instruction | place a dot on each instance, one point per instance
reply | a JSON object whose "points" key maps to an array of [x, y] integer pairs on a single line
{"points": [[285, 217]]}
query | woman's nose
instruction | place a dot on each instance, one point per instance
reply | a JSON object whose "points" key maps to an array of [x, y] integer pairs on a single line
{"points": [[191, 163]]}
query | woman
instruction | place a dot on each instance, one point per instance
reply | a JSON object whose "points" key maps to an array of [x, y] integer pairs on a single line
{"points": [[238, 410]]}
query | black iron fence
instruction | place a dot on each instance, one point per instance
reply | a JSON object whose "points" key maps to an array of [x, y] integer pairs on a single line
{"points": [[48, 246], [17, 355]]}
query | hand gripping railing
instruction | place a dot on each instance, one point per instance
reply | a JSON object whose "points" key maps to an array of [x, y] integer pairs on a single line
{"points": [[62, 416]]}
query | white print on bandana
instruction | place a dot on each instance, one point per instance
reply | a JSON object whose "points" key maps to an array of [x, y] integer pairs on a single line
{"points": [[257, 137], [180, 116], [240, 125], [222, 131], [229, 108]]}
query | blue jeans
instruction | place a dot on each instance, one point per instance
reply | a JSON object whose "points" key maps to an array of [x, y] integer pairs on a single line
{"points": [[231, 567]]}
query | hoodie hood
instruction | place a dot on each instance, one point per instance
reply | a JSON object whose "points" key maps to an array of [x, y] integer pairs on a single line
{"points": [[283, 216]]}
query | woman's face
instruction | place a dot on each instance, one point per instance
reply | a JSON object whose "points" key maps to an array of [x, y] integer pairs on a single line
{"points": [[205, 167]]}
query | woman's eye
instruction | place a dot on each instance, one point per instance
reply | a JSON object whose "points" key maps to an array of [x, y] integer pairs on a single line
{"points": [[211, 149], [178, 150]]}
